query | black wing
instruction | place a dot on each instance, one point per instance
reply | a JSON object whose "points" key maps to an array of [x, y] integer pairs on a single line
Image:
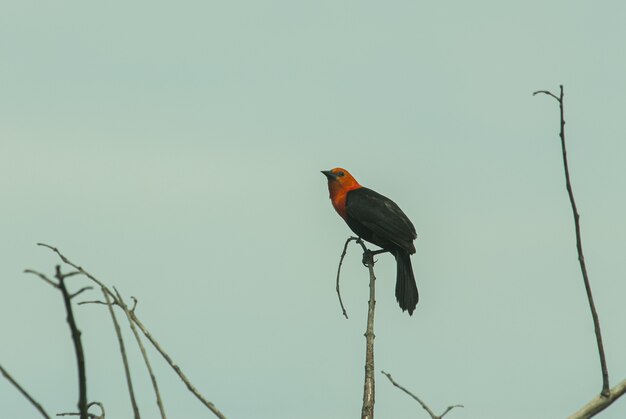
{"points": [[379, 220]]}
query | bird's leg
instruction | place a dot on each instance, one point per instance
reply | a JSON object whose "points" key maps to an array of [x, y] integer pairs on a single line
{"points": [[368, 256]]}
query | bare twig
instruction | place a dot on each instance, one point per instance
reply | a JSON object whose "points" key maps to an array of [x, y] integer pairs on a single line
{"points": [[101, 406], [138, 323], [144, 354], [83, 289], [599, 403], [176, 368], [367, 411], [343, 254], [424, 405], [24, 393], [90, 415], [594, 314], [42, 276], [78, 346], [120, 339]]}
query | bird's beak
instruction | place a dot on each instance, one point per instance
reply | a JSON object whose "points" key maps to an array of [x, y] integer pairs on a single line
{"points": [[329, 174]]}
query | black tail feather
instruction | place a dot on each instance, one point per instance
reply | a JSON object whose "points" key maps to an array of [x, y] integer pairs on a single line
{"points": [[406, 289]]}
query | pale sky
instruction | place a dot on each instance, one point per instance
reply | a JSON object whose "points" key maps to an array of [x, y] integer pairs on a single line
{"points": [[173, 149]]}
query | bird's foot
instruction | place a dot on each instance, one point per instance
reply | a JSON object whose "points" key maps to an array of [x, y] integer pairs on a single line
{"points": [[368, 259]]}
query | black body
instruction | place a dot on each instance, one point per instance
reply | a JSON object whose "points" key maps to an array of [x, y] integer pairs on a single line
{"points": [[378, 219]]}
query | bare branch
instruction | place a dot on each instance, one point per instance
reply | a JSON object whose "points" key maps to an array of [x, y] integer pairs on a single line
{"points": [[144, 354], [545, 92], [581, 258], [101, 406], [120, 339], [424, 406], [78, 268], [133, 316], [600, 402], [95, 302], [24, 393], [78, 346], [176, 368], [42, 276], [343, 254], [80, 290], [69, 274], [367, 411]]}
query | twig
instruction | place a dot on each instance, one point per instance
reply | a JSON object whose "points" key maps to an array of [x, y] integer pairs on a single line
{"points": [[424, 406], [599, 403], [144, 354], [24, 393], [78, 346], [343, 254], [101, 406], [42, 276], [594, 314], [367, 411], [133, 316], [176, 368], [83, 289], [120, 339]]}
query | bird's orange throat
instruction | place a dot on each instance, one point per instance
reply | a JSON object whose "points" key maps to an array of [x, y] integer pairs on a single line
{"points": [[338, 196]]}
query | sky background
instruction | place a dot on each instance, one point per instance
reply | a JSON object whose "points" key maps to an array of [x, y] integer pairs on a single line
{"points": [[173, 149]]}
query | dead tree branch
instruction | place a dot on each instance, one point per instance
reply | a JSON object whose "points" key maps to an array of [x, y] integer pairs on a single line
{"points": [[24, 393], [343, 254], [90, 415], [367, 412], [607, 393], [141, 327], [424, 405], [144, 354], [78, 345], [120, 340]]}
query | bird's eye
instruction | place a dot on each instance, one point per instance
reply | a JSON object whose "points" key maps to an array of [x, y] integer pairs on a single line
{"points": [[341, 174]]}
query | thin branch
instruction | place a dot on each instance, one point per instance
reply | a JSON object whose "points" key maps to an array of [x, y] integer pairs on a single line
{"points": [[120, 339], [599, 403], [367, 411], [581, 258], [96, 302], [24, 393], [101, 406], [78, 268], [83, 289], [42, 276], [343, 254], [78, 346], [144, 354], [176, 368], [424, 406], [545, 92], [133, 316], [134, 303]]}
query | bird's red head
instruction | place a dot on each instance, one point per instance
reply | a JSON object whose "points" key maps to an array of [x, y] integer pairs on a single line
{"points": [[340, 182]]}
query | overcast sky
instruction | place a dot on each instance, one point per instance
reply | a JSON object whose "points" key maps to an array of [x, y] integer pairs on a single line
{"points": [[173, 149]]}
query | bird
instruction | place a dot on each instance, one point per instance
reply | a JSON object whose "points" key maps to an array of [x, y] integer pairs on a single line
{"points": [[380, 221]]}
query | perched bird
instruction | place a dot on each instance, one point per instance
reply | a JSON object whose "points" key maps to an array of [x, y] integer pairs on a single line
{"points": [[378, 220]]}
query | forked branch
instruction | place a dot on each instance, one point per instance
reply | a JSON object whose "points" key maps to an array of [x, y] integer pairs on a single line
{"points": [[424, 405], [367, 410], [116, 300]]}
